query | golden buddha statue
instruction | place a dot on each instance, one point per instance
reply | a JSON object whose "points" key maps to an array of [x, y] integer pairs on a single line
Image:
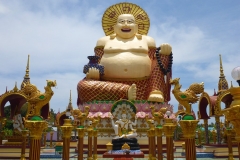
{"points": [[134, 68]]}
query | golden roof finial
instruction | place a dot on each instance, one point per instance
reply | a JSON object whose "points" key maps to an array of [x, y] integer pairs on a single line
{"points": [[222, 84], [70, 102], [27, 69], [70, 99], [15, 89], [221, 67], [231, 84]]}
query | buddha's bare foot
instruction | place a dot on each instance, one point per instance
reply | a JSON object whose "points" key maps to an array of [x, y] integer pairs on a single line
{"points": [[132, 92], [93, 73], [156, 96]]}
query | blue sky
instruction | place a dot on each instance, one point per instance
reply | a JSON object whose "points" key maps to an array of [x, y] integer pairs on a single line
{"points": [[59, 35]]}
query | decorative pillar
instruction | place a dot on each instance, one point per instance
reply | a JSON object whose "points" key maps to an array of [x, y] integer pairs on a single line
{"points": [[3, 121], [214, 134], [58, 133], [206, 131], [149, 145], [200, 137], [238, 143], [158, 131], [36, 127], [151, 138], [90, 136], [95, 134], [218, 128], [44, 138], [153, 143], [24, 135], [232, 114], [229, 142], [80, 131], [188, 129], [168, 130], [67, 132], [51, 138]]}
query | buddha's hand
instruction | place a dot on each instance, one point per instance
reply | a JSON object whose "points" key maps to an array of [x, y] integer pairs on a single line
{"points": [[156, 96], [166, 49], [93, 73], [132, 92], [134, 130]]}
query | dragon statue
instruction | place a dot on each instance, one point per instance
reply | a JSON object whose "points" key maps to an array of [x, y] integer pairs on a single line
{"points": [[81, 116], [188, 97], [158, 115], [36, 100], [150, 122]]}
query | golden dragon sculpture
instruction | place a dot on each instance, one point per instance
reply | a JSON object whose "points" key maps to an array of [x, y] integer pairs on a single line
{"points": [[158, 115], [81, 116], [36, 100], [188, 97]]}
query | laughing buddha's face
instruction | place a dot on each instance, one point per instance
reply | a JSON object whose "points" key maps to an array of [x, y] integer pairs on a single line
{"points": [[126, 26]]}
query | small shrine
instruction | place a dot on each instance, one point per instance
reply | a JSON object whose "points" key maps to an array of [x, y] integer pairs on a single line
{"points": [[37, 106]]}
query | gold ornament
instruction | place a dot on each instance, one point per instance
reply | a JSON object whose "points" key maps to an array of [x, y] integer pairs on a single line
{"points": [[125, 146], [188, 128], [110, 17], [67, 128], [158, 115], [188, 97], [36, 128]]}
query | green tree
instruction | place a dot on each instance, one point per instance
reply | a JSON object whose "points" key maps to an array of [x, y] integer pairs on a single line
{"points": [[8, 128], [52, 116], [7, 111]]}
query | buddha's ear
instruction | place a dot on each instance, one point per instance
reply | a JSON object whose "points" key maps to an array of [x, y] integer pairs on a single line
{"points": [[136, 27], [114, 28]]}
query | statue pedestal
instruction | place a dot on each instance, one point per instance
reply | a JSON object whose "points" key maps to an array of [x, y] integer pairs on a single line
{"points": [[110, 155], [123, 159], [132, 142]]}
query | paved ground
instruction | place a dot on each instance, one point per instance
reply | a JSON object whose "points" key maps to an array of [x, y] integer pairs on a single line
{"points": [[14, 153]]}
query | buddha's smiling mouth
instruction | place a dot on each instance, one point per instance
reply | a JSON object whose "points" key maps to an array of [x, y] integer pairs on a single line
{"points": [[126, 30]]}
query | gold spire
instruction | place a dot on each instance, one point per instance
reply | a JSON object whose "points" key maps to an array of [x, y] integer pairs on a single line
{"points": [[70, 99], [26, 79], [221, 67], [222, 83], [27, 69], [15, 89], [70, 102]]}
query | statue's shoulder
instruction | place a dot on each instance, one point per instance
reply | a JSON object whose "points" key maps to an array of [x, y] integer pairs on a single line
{"points": [[150, 41], [102, 41]]}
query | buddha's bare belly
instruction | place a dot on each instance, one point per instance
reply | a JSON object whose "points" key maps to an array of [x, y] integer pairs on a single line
{"points": [[126, 65]]}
